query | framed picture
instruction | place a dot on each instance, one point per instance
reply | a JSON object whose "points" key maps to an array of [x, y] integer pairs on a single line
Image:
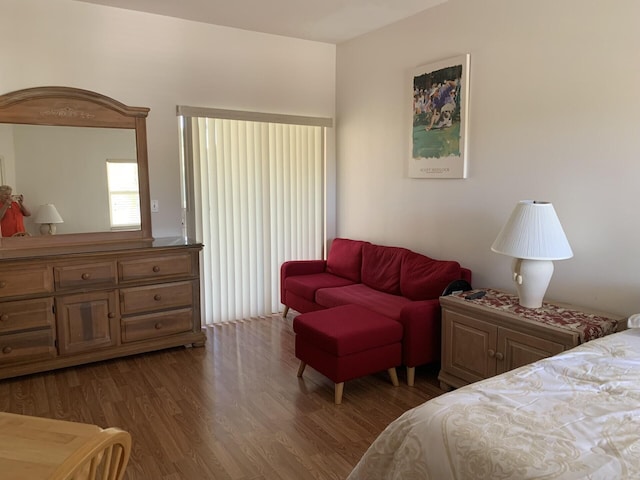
{"points": [[439, 119]]}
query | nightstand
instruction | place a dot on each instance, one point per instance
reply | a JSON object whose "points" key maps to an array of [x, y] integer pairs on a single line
{"points": [[493, 334]]}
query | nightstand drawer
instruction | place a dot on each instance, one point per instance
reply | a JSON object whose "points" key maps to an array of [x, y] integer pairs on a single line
{"points": [[26, 314], [155, 297], [156, 267], [86, 275], [25, 281], [27, 346], [155, 325]]}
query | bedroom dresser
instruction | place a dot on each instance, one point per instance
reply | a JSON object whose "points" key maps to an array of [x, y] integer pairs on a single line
{"points": [[59, 310], [493, 334], [101, 288]]}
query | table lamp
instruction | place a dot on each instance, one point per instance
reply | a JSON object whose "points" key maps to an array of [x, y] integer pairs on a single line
{"points": [[534, 237], [48, 217]]}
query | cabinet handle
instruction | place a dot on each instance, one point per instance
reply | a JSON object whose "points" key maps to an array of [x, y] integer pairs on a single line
{"points": [[86, 276], [3, 284], [4, 317], [111, 314], [156, 268], [7, 350], [157, 297], [499, 356], [491, 353], [158, 326]]}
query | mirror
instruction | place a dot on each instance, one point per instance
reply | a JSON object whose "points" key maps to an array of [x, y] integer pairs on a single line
{"points": [[57, 145]]}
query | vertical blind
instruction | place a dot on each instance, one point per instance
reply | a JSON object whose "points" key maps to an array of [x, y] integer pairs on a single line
{"points": [[259, 201]]}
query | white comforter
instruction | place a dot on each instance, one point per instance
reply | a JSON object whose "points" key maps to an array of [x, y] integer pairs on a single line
{"points": [[573, 416]]}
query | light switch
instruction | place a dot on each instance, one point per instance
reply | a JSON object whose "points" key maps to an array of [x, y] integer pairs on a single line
{"points": [[155, 207]]}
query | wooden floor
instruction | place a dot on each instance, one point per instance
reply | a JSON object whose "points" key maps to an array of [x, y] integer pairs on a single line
{"points": [[231, 410]]}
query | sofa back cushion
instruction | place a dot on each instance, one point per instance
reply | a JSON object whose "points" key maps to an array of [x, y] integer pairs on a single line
{"points": [[381, 267], [423, 278], [345, 258]]}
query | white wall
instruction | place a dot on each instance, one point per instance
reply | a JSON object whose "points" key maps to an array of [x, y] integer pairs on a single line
{"points": [[160, 62], [553, 116]]}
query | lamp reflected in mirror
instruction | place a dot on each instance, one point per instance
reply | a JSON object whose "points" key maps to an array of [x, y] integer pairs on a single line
{"points": [[48, 217]]}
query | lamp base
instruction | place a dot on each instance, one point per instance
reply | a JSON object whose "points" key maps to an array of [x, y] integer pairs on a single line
{"points": [[532, 278], [48, 229]]}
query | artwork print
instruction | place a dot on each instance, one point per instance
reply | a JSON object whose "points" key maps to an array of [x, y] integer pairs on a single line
{"points": [[439, 119]]}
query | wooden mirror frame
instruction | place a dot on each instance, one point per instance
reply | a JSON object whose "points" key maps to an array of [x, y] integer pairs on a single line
{"points": [[66, 106]]}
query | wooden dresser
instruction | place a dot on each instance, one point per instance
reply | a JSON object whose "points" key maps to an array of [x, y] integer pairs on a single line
{"points": [[64, 309]]}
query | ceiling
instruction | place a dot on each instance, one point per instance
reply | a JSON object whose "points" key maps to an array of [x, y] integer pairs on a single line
{"points": [[329, 21]]}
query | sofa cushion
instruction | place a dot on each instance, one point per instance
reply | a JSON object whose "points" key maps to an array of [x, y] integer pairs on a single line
{"points": [[423, 278], [360, 294], [381, 267], [305, 286], [345, 258]]}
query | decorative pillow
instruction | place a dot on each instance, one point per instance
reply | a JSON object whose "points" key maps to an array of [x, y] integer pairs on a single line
{"points": [[381, 267], [423, 278], [345, 258]]}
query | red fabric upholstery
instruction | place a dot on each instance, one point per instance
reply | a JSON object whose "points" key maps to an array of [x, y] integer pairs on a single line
{"points": [[347, 329], [298, 267], [421, 322], [355, 365], [347, 342], [381, 267], [360, 294], [345, 258], [422, 278], [305, 286]]}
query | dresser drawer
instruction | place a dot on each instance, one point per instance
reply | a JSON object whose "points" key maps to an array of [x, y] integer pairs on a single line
{"points": [[155, 297], [25, 281], [26, 314], [18, 347], [179, 265], [155, 325], [86, 275]]}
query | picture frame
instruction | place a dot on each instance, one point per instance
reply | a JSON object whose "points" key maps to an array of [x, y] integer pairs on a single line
{"points": [[439, 119]]}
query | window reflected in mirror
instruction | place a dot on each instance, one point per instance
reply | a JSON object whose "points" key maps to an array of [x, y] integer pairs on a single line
{"points": [[124, 198]]}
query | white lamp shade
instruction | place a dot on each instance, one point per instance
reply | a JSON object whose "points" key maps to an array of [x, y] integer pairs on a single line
{"points": [[533, 232], [48, 214]]}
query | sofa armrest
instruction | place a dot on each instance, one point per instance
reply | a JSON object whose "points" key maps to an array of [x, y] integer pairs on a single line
{"points": [[421, 321], [299, 267]]}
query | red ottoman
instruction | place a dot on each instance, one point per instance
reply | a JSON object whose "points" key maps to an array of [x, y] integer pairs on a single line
{"points": [[348, 342]]}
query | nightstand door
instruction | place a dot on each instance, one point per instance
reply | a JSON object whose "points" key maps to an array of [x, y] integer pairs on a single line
{"points": [[516, 349], [469, 347]]}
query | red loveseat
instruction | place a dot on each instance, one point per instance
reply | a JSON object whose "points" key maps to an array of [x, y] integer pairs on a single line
{"points": [[393, 281]]}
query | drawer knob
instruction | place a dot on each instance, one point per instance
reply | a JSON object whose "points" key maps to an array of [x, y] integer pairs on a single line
{"points": [[158, 326], [86, 276], [156, 268], [499, 356], [157, 297], [491, 353], [4, 317], [7, 350], [3, 284], [111, 314]]}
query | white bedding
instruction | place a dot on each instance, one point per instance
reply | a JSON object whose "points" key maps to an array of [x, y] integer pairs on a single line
{"points": [[572, 416]]}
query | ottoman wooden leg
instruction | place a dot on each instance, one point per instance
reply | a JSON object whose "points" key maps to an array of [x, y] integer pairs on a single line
{"points": [[338, 393], [394, 376], [286, 310], [301, 368], [411, 375]]}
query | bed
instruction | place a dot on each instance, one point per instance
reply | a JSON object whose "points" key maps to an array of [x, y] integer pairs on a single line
{"points": [[572, 416]]}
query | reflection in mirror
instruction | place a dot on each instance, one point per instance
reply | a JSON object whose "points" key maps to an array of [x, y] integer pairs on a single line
{"points": [[67, 167]]}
